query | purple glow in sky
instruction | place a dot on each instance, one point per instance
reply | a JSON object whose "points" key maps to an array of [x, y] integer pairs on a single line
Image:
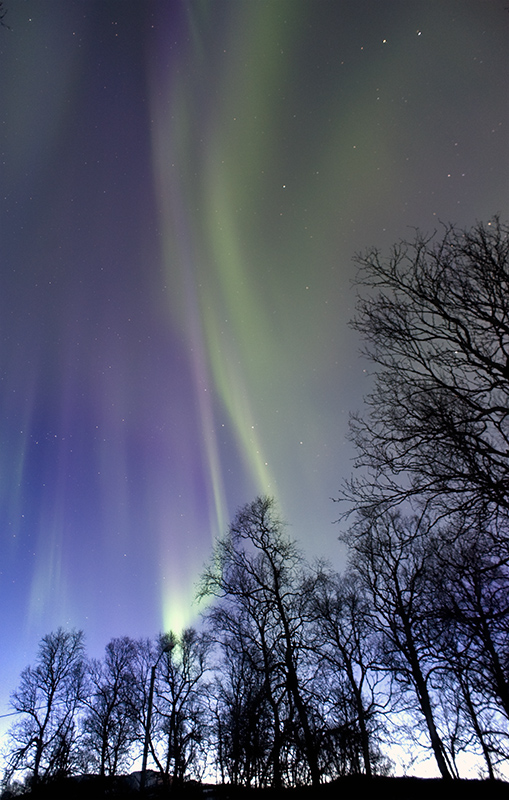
{"points": [[183, 187]]}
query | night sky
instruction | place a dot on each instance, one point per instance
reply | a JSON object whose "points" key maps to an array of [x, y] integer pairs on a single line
{"points": [[183, 187]]}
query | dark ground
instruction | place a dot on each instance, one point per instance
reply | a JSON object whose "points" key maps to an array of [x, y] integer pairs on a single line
{"points": [[349, 788]]}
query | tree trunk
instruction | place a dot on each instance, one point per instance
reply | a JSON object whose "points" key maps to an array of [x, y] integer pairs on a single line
{"points": [[362, 720], [424, 699]]}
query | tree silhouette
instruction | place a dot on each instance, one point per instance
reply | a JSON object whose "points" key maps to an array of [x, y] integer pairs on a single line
{"points": [[346, 642], [470, 590], [48, 697], [110, 726], [392, 559], [431, 532], [435, 318], [241, 705], [179, 704], [256, 574]]}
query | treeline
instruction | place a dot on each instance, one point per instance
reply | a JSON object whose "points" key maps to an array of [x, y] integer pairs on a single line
{"points": [[301, 674], [279, 687]]}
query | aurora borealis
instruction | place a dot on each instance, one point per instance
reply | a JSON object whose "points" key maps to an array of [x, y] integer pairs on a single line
{"points": [[184, 185]]}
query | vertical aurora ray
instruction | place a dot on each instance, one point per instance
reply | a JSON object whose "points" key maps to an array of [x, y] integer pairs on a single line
{"points": [[226, 316], [222, 315], [180, 253]]}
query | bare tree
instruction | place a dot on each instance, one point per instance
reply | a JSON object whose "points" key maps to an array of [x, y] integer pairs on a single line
{"points": [[180, 707], [392, 559], [435, 318], [110, 726], [434, 442], [470, 589], [43, 741], [346, 643], [242, 717], [245, 635], [146, 659], [256, 573]]}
